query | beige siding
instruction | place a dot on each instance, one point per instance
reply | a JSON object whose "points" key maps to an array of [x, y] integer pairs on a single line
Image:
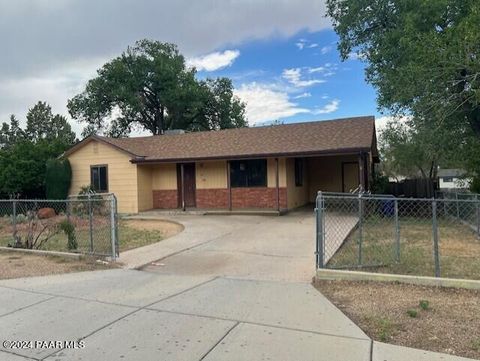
{"points": [[164, 176], [144, 181], [122, 175], [211, 175], [296, 196], [325, 173], [272, 173]]}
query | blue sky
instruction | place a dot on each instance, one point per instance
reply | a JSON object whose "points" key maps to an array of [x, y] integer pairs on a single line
{"points": [[281, 54], [302, 77]]}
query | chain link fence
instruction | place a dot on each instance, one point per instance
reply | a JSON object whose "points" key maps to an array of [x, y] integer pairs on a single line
{"points": [[82, 223], [429, 237]]}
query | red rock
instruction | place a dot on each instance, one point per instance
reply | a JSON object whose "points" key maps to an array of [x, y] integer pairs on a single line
{"points": [[44, 213]]}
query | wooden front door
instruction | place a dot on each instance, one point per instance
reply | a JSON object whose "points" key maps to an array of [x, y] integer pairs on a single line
{"points": [[350, 176], [189, 182]]}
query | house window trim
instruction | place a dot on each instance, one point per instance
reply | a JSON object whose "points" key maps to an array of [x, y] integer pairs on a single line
{"points": [[106, 175], [265, 185], [299, 181]]}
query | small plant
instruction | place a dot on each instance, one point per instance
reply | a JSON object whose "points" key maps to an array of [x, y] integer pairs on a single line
{"points": [[476, 344], [412, 313], [69, 229], [385, 328], [424, 305]]}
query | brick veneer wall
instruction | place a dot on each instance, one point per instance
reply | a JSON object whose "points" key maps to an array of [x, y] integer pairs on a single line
{"points": [[165, 198], [255, 197], [212, 198], [258, 197]]}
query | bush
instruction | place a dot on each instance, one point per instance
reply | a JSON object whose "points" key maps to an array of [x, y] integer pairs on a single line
{"points": [[57, 178], [475, 185], [69, 229]]}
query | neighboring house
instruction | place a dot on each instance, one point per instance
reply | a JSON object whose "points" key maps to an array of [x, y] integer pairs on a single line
{"points": [[273, 167], [453, 179]]}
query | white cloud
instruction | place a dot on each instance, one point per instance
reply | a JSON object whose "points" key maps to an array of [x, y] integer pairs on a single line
{"points": [[313, 45], [303, 95], [214, 61], [355, 56], [327, 108], [294, 76], [301, 43], [328, 69], [381, 122], [326, 49], [264, 103]]}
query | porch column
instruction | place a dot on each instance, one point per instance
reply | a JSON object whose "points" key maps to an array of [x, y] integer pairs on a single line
{"points": [[361, 171], [229, 186], [182, 180], [277, 181]]}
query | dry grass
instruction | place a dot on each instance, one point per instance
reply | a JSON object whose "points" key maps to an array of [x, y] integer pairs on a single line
{"points": [[132, 233], [459, 248], [16, 265], [384, 311]]}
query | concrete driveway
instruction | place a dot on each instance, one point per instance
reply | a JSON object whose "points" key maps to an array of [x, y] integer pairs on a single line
{"points": [[253, 247]]}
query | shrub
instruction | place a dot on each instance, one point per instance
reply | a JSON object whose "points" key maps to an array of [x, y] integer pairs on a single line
{"points": [[424, 305], [69, 229], [412, 313], [57, 178]]}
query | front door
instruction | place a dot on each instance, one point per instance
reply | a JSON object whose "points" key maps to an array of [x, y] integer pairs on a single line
{"points": [[350, 176], [189, 184]]}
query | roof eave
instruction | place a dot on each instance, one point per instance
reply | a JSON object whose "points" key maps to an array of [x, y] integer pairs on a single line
{"points": [[343, 151]]}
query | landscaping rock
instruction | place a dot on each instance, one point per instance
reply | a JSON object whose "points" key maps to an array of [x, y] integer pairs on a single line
{"points": [[44, 213]]}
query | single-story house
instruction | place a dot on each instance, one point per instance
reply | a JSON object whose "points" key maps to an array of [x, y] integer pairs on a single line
{"points": [[277, 167]]}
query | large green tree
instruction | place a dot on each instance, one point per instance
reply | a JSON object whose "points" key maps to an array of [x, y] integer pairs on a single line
{"points": [[150, 87], [24, 152], [422, 56]]}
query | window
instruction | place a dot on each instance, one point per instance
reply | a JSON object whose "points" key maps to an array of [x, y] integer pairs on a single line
{"points": [[298, 172], [448, 179], [99, 178], [248, 173]]}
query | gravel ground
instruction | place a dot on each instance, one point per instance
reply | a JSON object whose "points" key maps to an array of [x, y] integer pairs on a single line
{"points": [[16, 265], [391, 312]]}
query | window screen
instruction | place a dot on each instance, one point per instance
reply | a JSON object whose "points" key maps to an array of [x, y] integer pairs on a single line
{"points": [[99, 178]]}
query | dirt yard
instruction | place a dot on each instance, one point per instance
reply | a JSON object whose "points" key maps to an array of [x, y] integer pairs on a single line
{"points": [[16, 265], [430, 318]]}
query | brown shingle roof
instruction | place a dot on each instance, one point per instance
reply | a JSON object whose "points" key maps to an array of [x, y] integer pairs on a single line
{"points": [[332, 136]]}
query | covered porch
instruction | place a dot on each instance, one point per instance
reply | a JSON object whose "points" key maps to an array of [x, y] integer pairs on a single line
{"points": [[248, 185]]}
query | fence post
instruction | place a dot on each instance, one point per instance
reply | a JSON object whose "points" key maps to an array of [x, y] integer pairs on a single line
{"points": [[319, 251], [397, 233], [436, 254], [458, 208], [360, 228], [14, 220], [90, 221], [477, 203], [113, 226]]}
